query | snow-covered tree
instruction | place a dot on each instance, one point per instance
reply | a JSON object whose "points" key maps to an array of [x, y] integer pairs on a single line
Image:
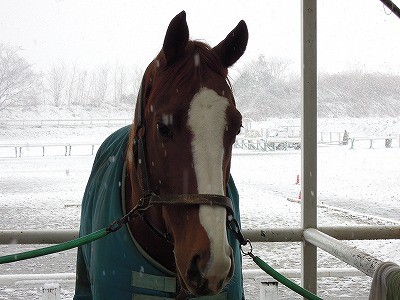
{"points": [[19, 84]]}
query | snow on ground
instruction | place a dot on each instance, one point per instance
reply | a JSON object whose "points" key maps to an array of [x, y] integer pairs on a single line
{"points": [[35, 189]]}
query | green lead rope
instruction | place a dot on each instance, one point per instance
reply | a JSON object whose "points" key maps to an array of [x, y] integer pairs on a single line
{"points": [[56, 248], [282, 279], [114, 226]]}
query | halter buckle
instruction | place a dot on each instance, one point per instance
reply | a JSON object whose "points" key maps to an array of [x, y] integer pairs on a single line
{"points": [[145, 202]]}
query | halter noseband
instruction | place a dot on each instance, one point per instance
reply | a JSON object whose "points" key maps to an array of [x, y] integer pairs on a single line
{"points": [[150, 198]]}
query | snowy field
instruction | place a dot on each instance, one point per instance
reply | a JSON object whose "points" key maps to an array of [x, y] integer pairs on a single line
{"points": [[34, 191]]}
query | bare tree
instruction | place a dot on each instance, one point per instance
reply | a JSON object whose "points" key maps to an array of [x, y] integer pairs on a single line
{"points": [[119, 83], [81, 88], [56, 81], [135, 76], [122, 83], [278, 67], [72, 82], [100, 86], [19, 84]]}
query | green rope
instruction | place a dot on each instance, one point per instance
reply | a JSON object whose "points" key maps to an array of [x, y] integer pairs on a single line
{"points": [[393, 285], [56, 248], [282, 279]]}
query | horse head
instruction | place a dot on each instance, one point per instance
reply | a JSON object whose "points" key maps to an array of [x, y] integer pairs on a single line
{"points": [[187, 116]]}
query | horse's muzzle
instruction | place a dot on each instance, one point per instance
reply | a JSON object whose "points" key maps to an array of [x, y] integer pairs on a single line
{"points": [[200, 283]]}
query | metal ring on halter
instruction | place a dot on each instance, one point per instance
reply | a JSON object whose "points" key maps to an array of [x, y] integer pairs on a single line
{"points": [[248, 253]]}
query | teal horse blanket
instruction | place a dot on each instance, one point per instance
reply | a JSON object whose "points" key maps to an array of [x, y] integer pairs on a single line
{"points": [[115, 267]]}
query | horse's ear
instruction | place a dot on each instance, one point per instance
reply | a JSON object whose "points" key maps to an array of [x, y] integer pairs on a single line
{"points": [[176, 38], [234, 45]]}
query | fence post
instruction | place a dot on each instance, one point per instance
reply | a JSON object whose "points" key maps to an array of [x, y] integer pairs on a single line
{"points": [[269, 290], [51, 291]]}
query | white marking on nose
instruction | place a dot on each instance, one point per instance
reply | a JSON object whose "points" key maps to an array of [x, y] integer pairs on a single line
{"points": [[207, 121]]}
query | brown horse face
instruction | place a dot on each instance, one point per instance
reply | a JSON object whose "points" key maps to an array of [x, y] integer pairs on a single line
{"points": [[191, 124], [190, 153]]}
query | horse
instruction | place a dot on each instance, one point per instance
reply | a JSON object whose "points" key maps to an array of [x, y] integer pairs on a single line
{"points": [[172, 168]]}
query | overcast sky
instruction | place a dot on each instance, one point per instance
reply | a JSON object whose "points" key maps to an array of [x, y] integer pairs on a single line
{"points": [[352, 34]]}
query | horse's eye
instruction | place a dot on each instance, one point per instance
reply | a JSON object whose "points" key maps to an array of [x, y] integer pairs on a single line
{"points": [[164, 130]]}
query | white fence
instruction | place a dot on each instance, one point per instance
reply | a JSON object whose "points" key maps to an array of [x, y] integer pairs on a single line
{"points": [[18, 149], [6, 123], [327, 138], [258, 144], [388, 141]]}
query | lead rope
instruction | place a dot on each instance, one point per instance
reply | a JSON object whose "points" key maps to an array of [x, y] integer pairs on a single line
{"points": [[114, 226], [56, 248], [233, 225]]}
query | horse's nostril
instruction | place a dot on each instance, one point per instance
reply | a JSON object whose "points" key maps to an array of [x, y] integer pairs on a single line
{"points": [[193, 272]]}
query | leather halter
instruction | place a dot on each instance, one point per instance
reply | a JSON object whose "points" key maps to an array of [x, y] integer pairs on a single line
{"points": [[149, 197]]}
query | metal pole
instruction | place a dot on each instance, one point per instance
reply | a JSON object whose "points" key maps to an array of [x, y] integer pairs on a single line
{"points": [[350, 255], [309, 140], [271, 235]]}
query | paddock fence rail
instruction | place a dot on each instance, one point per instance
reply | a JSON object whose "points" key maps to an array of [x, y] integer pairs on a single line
{"points": [[61, 148], [256, 144], [39, 123]]}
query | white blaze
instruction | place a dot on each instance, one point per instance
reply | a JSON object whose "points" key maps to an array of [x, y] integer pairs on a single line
{"points": [[207, 121]]}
